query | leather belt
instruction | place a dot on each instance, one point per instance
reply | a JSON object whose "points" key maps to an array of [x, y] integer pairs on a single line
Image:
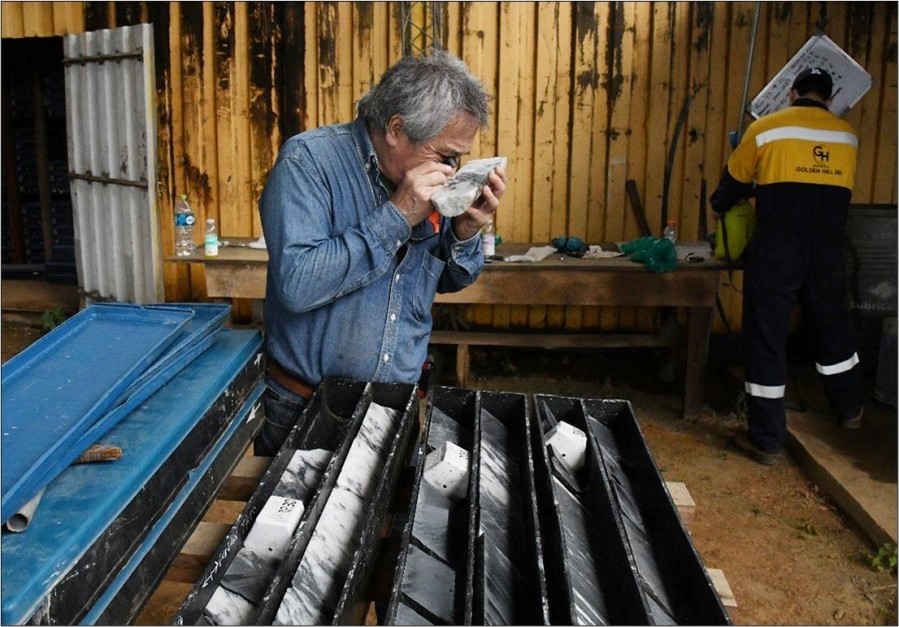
{"points": [[279, 375]]}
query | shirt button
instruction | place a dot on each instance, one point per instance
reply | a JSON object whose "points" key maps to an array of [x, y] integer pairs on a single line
{"points": [[398, 243], [397, 279], [386, 358], [393, 317]]}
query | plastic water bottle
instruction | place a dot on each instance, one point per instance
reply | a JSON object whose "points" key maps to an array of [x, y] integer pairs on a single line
{"points": [[184, 228], [671, 232], [211, 241], [488, 240]]}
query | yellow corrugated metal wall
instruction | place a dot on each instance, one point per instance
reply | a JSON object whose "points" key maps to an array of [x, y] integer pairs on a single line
{"points": [[587, 96]]}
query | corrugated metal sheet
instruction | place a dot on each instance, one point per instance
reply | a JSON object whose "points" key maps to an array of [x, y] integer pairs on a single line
{"points": [[587, 96], [110, 114]]}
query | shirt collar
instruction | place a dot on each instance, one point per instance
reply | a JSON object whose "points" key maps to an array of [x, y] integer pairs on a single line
{"points": [[366, 147], [809, 102]]}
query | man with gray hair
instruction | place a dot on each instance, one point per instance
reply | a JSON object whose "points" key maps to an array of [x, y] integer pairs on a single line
{"points": [[356, 251]]}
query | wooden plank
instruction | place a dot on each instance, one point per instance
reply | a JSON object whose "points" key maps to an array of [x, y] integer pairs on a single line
{"points": [[638, 138], [13, 20], [462, 365], [68, 17], [264, 109], [694, 148], [618, 99], [244, 479], [480, 46], [197, 551], [175, 275], [722, 587], [238, 218], [310, 114], [681, 93], [551, 341], [741, 14], [344, 59], [657, 128], [240, 279], [561, 33], [868, 25], [326, 41], [523, 224], [224, 108], [885, 186], [682, 499], [581, 287], [38, 19], [209, 125], [164, 603], [507, 121], [585, 73]]}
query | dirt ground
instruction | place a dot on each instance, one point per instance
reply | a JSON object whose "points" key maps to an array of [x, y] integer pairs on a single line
{"points": [[789, 555]]}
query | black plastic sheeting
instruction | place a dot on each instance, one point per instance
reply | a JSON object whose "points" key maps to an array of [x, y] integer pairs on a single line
{"points": [[330, 422]]}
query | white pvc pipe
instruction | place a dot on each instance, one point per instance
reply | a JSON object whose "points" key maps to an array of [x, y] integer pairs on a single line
{"points": [[19, 521]]}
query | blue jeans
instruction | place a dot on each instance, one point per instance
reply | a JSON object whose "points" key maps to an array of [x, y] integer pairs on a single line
{"points": [[282, 411]]}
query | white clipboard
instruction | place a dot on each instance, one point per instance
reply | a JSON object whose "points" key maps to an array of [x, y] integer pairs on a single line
{"points": [[850, 80]]}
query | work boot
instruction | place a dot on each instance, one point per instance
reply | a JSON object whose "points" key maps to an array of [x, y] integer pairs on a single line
{"points": [[743, 443], [855, 422]]}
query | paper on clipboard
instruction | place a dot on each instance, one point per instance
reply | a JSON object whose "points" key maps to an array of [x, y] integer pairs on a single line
{"points": [[850, 80]]}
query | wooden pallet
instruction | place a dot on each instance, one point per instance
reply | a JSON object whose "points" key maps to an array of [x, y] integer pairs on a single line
{"points": [[202, 544]]}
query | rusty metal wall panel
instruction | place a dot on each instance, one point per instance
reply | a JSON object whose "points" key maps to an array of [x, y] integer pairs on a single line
{"points": [[111, 119]]}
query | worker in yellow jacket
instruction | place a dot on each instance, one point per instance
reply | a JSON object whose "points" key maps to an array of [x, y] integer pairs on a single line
{"points": [[801, 162]]}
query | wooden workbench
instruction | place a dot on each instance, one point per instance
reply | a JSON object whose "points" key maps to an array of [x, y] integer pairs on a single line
{"points": [[240, 272]]}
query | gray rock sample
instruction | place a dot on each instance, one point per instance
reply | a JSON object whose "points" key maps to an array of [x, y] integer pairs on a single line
{"points": [[500, 500], [465, 186], [443, 429], [651, 578], [430, 584], [589, 604], [248, 575], [431, 524], [320, 576], [228, 608], [405, 615], [302, 475]]}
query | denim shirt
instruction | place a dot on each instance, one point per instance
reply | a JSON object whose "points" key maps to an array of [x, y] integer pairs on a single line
{"points": [[339, 302]]}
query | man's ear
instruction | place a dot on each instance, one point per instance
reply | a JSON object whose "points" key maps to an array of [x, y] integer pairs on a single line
{"points": [[394, 130]]}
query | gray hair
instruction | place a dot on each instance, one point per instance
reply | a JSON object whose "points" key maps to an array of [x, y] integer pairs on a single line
{"points": [[428, 91]]}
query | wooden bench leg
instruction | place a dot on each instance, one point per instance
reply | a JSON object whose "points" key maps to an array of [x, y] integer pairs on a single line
{"points": [[699, 324], [461, 365]]}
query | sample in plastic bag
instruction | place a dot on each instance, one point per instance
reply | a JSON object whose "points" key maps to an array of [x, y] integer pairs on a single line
{"points": [[659, 255]]}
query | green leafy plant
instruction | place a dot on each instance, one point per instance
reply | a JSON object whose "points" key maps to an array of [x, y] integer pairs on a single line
{"points": [[52, 319], [884, 560]]}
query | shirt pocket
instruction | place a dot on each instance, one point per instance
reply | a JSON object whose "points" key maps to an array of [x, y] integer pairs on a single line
{"points": [[426, 286]]}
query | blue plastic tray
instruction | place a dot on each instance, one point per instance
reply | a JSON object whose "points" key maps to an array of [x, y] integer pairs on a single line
{"points": [[86, 499], [187, 500], [207, 317], [108, 420], [59, 386]]}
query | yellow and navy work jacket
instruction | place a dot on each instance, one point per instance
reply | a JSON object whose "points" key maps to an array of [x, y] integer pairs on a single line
{"points": [[802, 162]]}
